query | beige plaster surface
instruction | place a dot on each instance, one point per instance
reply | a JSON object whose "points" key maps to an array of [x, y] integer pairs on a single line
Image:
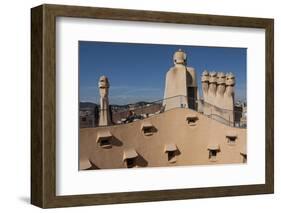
{"points": [[104, 118], [179, 79], [218, 94], [172, 130]]}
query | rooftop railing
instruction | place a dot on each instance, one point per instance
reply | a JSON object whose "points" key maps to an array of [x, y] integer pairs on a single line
{"points": [[228, 117], [138, 111], [133, 112]]}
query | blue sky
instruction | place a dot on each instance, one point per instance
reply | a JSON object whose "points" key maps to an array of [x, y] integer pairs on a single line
{"points": [[137, 71]]}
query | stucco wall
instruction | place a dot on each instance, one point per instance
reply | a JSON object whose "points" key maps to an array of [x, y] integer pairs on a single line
{"points": [[172, 128]]}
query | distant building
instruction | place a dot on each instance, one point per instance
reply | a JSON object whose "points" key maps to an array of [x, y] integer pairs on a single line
{"points": [[239, 114], [88, 117]]}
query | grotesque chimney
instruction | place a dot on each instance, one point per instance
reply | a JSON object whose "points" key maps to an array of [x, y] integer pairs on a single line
{"points": [[181, 85], [104, 119]]}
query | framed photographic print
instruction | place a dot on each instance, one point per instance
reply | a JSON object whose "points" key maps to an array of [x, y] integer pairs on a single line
{"points": [[136, 106]]}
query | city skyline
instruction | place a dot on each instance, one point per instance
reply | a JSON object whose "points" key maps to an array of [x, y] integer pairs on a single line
{"points": [[136, 72]]}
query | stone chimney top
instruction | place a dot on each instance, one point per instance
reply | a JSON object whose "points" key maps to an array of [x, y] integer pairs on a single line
{"points": [[180, 57], [103, 82]]}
